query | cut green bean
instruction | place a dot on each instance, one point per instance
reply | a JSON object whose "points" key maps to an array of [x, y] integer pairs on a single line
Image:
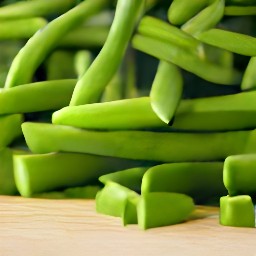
{"points": [[231, 41], [10, 128], [159, 209], [239, 174], [240, 11], [40, 96], [44, 41], [41, 173], [20, 28], [91, 85], [249, 78], [206, 19], [154, 146], [186, 60], [85, 37], [237, 211], [25, 9], [130, 178], [181, 11], [112, 199], [166, 91], [202, 181]]}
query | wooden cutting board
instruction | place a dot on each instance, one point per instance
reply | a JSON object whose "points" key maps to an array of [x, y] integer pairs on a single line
{"points": [[39, 227]]}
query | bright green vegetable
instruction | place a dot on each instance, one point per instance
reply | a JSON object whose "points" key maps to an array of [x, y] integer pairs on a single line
{"points": [[152, 146], [237, 211], [43, 42], [239, 11], [20, 28], [162, 209], [82, 61], [186, 60], [129, 215], [166, 91], [206, 19], [40, 96], [91, 85], [249, 78], [41, 173], [201, 181]]}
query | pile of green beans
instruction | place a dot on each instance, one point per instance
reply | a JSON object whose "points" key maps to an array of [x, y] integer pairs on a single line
{"points": [[148, 106]]}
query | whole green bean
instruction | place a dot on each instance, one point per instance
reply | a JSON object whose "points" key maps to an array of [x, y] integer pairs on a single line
{"points": [[186, 60], [201, 181], [249, 78], [44, 41], [48, 172], [152, 146], [40, 96], [25, 9], [206, 19], [240, 11], [231, 41], [92, 84], [20, 28], [166, 91]]}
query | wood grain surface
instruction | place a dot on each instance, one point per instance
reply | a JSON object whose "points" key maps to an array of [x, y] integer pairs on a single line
{"points": [[40, 227]]}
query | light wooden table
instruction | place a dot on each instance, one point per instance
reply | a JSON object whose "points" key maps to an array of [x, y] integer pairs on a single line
{"points": [[39, 227]]}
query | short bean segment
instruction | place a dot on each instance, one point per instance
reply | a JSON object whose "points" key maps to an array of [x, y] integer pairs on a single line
{"points": [[92, 84], [44, 41], [201, 181], [249, 78], [181, 11]]}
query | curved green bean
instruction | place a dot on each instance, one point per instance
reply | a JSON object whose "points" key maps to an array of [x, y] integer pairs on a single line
{"points": [[92, 84], [44, 41], [249, 78]]}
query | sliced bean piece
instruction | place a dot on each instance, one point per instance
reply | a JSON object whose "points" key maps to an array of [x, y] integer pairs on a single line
{"points": [[237, 211], [239, 174], [184, 59], [231, 41], [44, 41], [181, 11], [130, 178], [91, 85], [20, 28], [41, 173], [249, 78], [240, 11], [202, 181], [159, 209], [24, 9], [166, 91], [40, 96], [10, 128], [112, 199], [154, 146], [129, 215], [206, 19], [120, 114]]}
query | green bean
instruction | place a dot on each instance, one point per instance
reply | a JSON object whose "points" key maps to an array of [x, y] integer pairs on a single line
{"points": [[166, 91], [48, 172], [20, 28], [152, 146], [240, 11], [25, 9], [201, 181], [158, 209], [130, 178], [112, 199], [206, 19], [92, 84], [40, 96], [184, 59], [129, 215], [10, 128], [249, 78], [44, 41], [239, 174], [119, 114], [237, 211], [85, 37], [231, 41], [181, 11], [82, 61]]}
